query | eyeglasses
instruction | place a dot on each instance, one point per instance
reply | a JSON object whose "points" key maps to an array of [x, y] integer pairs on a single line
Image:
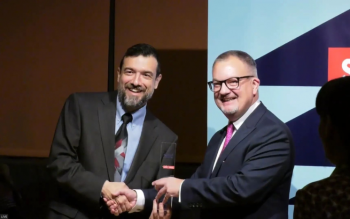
{"points": [[231, 83]]}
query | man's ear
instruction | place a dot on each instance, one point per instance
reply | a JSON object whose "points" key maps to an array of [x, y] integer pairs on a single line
{"points": [[118, 74], [158, 78], [256, 84]]}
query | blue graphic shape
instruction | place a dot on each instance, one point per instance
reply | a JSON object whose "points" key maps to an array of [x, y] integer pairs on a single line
{"points": [[304, 60], [259, 27], [308, 146], [288, 102]]}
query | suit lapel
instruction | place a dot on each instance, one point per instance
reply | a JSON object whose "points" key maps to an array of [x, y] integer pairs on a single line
{"points": [[215, 151], [148, 137], [247, 127], [106, 116]]}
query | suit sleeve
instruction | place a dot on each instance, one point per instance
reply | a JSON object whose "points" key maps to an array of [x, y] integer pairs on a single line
{"points": [[195, 175], [266, 163], [64, 164]]}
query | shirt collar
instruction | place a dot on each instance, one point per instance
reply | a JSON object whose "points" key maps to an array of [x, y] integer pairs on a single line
{"points": [[240, 121], [137, 117]]}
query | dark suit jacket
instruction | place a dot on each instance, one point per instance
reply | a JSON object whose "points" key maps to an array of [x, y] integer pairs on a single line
{"points": [[82, 156], [252, 176]]}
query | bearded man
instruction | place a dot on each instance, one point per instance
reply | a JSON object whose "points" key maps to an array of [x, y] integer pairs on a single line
{"points": [[109, 141]]}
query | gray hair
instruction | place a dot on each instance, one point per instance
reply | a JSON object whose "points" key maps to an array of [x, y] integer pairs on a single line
{"points": [[243, 56]]}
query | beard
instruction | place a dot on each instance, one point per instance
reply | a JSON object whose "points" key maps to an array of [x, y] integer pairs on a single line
{"points": [[132, 103], [231, 111], [228, 110]]}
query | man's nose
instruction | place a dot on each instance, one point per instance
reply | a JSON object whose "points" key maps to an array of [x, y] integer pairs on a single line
{"points": [[224, 89], [136, 79]]}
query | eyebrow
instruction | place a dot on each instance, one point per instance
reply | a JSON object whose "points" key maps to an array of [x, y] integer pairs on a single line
{"points": [[224, 79], [129, 68], [148, 72]]}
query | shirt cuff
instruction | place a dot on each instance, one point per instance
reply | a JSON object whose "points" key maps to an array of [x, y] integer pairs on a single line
{"points": [[180, 191], [140, 201]]}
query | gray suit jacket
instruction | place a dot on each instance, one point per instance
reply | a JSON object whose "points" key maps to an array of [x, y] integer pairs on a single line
{"points": [[82, 157]]}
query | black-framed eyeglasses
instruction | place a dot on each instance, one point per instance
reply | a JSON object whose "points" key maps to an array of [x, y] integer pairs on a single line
{"points": [[231, 83]]}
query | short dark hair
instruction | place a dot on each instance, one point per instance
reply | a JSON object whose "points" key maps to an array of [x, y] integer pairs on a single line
{"points": [[243, 56], [333, 101], [142, 49]]}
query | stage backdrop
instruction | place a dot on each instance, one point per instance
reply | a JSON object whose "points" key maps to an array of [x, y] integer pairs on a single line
{"points": [[298, 46]]}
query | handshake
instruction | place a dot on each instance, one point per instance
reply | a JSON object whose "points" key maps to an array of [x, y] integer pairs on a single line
{"points": [[119, 198]]}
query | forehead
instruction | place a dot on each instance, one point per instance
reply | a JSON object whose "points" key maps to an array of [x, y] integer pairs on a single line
{"points": [[230, 67], [141, 63]]}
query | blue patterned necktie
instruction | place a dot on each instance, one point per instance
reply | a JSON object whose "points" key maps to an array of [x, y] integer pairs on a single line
{"points": [[121, 141]]}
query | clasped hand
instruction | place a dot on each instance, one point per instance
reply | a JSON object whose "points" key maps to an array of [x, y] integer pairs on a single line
{"points": [[169, 187], [118, 197], [166, 187]]}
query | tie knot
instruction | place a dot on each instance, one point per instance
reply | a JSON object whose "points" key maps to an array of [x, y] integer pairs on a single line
{"points": [[230, 127], [127, 117]]}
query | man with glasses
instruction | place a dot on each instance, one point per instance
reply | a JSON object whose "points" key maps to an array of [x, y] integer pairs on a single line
{"points": [[248, 165]]}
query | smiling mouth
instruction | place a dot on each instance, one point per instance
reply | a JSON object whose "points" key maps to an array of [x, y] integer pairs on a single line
{"points": [[135, 90], [228, 99]]}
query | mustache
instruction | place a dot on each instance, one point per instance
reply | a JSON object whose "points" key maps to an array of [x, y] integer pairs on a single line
{"points": [[138, 87], [226, 98]]}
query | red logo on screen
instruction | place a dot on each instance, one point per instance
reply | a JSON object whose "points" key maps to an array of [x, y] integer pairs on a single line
{"points": [[338, 62]]}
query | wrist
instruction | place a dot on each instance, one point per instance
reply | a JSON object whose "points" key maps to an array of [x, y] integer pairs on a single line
{"points": [[104, 189], [138, 203], [135, 194]]}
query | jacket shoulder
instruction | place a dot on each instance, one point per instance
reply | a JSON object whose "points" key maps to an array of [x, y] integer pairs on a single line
{"points": [[88, 96], [270, 120]]}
